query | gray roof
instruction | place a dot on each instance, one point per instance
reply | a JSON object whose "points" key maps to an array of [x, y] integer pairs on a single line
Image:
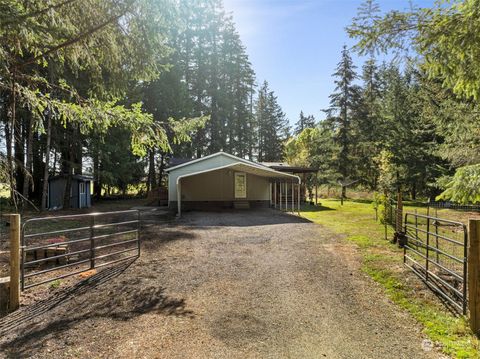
{"points": [[75, 177]]}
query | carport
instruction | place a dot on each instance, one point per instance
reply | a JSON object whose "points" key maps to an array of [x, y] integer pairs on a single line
{"points": [[222, 180]]}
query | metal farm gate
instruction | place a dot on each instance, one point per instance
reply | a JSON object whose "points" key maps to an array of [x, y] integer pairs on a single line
{"points": [[435, 249], [53, 248]]}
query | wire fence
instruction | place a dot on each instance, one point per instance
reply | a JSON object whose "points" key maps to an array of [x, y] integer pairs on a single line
{"points": [[454, 206]]}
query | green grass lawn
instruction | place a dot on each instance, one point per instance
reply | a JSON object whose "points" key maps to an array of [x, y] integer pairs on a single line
{"points": [[383, 262]]}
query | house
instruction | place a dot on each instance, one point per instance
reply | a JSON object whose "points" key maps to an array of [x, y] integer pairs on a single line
{"points": [[222, 180], [80, 196]]}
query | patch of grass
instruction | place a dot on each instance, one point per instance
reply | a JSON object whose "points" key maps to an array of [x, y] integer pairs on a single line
{"points": [[55, 284], [382, 261]]}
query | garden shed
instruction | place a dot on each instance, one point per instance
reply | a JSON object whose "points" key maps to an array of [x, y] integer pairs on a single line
{"points": [[222, 180], [80, 194]]}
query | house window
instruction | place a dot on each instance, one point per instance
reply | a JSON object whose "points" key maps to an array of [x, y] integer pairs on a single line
{"points": [[240, 185], [82, 187]]}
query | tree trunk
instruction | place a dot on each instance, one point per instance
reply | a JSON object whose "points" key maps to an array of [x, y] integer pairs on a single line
{"points": [[68, 168], [414, 191], [68, 188], [68, 183], [19, 155], [9, 139], [47, 160], [97, 186], [38, 148], [77, 154], [151, 170], [28, 165], [161, 169]]}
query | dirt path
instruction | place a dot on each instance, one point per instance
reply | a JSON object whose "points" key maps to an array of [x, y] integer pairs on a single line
{"points": [[222, 285]]}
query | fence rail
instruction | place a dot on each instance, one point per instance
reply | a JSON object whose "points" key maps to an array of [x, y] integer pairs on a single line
{"points": [[436, 250], [72, 244], [455, 206]]}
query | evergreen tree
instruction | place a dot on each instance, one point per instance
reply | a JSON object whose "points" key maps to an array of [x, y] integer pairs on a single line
{"points": [[445, 40], [218, 77], [343, 106], [272, 125], [369, 124], [303, 123]]}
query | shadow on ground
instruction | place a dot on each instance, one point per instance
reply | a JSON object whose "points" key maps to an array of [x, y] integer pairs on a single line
{"points": [[317, 208], [104, 295], [154, 238], [238, 218]]}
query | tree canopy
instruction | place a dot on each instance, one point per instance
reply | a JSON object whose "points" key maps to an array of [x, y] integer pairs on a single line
{"points": [[439, 46], [78, 78]]}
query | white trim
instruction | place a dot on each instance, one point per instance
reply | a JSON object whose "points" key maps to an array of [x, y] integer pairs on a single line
{"points": [[214, 155]]}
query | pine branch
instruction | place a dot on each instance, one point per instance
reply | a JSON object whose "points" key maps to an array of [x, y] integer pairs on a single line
{"points": [[37, 13], [78, 38]]}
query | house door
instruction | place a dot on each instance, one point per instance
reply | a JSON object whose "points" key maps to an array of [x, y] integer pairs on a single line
{"points": [[82, 198]]}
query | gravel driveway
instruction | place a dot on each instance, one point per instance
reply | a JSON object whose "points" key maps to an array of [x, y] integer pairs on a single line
{"points": [[253, 284]]}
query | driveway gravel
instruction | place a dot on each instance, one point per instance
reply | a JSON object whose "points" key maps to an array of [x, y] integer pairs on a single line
{"points": [[252, 284]]}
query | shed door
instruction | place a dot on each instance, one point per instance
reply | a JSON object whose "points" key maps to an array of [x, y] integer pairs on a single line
{"points": [[82, 195], [240, 185]]}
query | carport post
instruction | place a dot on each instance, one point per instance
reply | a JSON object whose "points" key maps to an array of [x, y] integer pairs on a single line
{"points": [[293, 198], [298, 199], [275, 194], [280, 194], [286, 196], [270, 194], [179, 198]]}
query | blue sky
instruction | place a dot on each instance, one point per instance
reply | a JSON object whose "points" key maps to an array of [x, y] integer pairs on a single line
{"points": [[295, 45]]}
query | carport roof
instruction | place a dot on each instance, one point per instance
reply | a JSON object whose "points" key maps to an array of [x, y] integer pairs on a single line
{"points": [[216, 154], [251, 168]]}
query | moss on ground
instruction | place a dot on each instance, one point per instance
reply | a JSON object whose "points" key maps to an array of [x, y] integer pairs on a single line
{"points": [[382, 261]]}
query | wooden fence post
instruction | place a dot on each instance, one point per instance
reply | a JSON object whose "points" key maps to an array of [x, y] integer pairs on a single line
{"points": [[14, 262], [474, 274]]}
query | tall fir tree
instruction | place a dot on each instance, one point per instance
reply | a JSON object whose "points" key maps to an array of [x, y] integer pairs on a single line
{"points": [[342, 111], [272, 125], [369, 125], [303, 123]]}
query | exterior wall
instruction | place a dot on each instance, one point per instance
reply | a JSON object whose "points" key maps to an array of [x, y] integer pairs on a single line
{"points": [[88, 194], [57, 190], [206, 164], [74, 197], [219, 186]]}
